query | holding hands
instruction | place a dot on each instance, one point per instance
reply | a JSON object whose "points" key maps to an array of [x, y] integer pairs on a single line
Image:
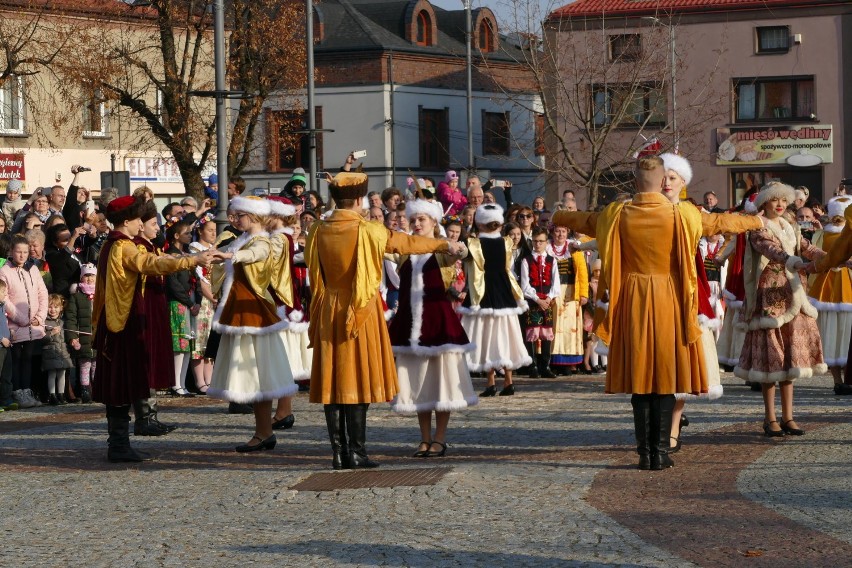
{"points": [[457, 249]]}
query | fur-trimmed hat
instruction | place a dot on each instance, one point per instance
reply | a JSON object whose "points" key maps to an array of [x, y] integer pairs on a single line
{"points": [[837, 206], [348, 185], [14, 185], [748, 206], [123, 209], [774, 189], [281, 206], [488, 213], [432, 209], [251, 204], [678, 164]]}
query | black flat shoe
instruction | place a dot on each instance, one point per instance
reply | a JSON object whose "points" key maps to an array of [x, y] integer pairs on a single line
{"points": [[239, 408], [285, 423], [842, 389], [791, 431], [684, 421], [439, 454], [770, 432], [507, 391], [676, 447], [489, 391], [266, 444], [422, 453]]}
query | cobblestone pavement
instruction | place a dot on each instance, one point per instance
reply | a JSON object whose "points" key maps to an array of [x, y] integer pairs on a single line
{"points": [[544, 478]]}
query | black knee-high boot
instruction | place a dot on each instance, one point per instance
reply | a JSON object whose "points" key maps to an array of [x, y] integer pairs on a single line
{"points": [[544, 360], [662, 406], [335, 421], [530, 370], [356, 427], [642, 424], [118, 425]]}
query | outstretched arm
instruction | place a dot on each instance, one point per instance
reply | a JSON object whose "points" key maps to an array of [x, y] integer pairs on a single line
{"points": [[581, 221], [715, 223]]}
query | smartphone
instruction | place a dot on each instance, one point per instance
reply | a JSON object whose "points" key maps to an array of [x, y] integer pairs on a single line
{"points": [[358, 154], [498, 183], [322, 175], [806, 225]]}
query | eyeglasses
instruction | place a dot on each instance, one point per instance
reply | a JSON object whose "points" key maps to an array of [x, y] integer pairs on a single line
{"points": [[525, 216]]}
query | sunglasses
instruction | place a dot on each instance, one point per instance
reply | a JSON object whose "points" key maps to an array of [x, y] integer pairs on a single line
{"points": [[525, 216]]}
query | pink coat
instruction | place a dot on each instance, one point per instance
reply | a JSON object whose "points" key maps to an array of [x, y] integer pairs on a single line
{"points": [[27, 299], [452, 198]]}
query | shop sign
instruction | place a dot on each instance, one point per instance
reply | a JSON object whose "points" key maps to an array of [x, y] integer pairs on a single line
{"points": [[795, 145], [11, 167], [153, 170]]}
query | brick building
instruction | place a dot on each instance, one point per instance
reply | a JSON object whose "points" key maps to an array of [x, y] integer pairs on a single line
{"points": [[781, 88], [391, 79]]}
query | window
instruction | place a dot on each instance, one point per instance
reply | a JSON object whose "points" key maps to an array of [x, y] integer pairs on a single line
{"points": [[486, 35], [434, 138], [625, 47], [162, 112], [539, 135], [94, 116], [289, 148], [773, 39], [495, 133], [12, 106], [629, 105], [424, 28], [784, 99]]}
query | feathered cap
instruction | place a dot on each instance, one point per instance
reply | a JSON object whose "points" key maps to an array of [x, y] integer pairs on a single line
{"points": [[488, 213], [837, 206], [281, 206], [250, 204], [348, 185], [125, 208], [774, 189], [432, 209], [678, 164]]}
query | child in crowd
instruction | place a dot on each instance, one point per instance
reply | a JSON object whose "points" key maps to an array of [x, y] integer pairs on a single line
{"points": [[6, 401], [78, 329], [13, 202], [540, 284], [55, 360]]}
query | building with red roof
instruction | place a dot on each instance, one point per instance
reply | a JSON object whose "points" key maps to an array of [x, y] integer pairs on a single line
{"points": [[761, 88]]}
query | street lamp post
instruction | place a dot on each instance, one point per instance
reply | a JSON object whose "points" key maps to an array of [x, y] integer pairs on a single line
{"points": [[468, 38], [221, 116]]}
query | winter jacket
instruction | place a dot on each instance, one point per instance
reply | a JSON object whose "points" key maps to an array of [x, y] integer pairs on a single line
{"points": [[64, 269], [27, 299], [179, 288], [78, 317], [54, 354]]}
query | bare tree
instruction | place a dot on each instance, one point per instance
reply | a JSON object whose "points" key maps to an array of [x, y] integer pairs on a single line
{"points": [[605, 88], [154, 58]]}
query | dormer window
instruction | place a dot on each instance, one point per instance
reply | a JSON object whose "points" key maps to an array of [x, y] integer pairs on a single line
{"points": [[424, 29], [486, 36]]}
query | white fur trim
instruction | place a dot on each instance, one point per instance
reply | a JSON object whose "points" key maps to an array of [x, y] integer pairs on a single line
{"points": [[476, 311], [836, 362], [836, 206], [389, 315], [279, 209], [832, 228], [749, 206], [297, 315], [774, 189], [709, 323], [491, 235], [500, 364], [488, 213], [226, 292], [437, 406], [248, 398], [715, 392], [729, 362], [731, 301], [830, 306], [257, 206], [431, 209], [416, 295], [787, 375], [679, 165]]}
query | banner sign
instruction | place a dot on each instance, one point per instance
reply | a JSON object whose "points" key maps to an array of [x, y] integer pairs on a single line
{"points": [[11, 167], [794, 144], [153, 170]]}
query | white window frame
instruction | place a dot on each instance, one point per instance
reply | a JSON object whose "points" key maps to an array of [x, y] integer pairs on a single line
{"points": [[104, 131], [20, 128], [161, 111]]}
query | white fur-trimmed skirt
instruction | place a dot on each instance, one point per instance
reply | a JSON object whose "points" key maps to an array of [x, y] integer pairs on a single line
{"points": [[499, 342], [439, 383], [711, 360], [300, 356], [251, 368]]}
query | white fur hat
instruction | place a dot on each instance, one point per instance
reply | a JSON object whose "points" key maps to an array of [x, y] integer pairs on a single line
{"points": [[431, 208], [774, 189], [678, 164], [837, 205], [250, 204], [488, 213], [279, 208]]}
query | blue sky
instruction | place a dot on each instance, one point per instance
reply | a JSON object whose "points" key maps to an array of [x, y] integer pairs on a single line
{"points": [[509, 11]]}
